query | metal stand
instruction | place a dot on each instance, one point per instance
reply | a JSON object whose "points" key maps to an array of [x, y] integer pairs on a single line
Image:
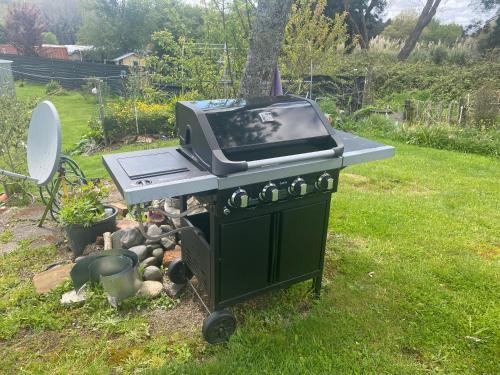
{"points": [[69, 173]]}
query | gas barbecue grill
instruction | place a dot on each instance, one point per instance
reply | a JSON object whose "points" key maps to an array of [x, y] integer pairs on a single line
{"points": [[265, 169]]}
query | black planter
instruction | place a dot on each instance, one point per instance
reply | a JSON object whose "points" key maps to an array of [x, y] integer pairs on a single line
{"points": [[80, 236]]}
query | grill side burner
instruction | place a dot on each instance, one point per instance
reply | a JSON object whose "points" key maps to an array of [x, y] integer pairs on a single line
{"points": [[266, 169]]}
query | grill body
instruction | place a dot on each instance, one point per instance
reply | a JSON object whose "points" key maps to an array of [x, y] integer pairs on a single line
{"points": [[238, 255]]}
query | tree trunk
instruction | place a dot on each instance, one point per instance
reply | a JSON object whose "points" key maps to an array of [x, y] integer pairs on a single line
{"points": [[267, 34], [423, 20]]}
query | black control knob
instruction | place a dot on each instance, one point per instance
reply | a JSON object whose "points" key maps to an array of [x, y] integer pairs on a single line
{"points": [[239, 199], [298, 187], [269, 193], [324, 182]]}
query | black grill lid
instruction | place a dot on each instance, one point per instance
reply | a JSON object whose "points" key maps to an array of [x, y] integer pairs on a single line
{"points": [[225, 134]]}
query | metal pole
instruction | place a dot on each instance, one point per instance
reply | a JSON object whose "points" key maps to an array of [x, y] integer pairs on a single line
{"points": [[52, 199], [101, 111]]}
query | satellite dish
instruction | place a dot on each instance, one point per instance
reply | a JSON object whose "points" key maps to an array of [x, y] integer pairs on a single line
{"points": [[45, 159], [44, 143]]}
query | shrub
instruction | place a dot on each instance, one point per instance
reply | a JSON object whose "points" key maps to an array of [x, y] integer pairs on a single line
{"points": [[83, 205], [439, 55], [485, 106], [128, 117], [15, 116], [53, 88]]}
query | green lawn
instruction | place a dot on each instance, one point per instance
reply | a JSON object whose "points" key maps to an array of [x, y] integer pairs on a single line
{"points": [[75, 112], [412, 285], [73, 109]]}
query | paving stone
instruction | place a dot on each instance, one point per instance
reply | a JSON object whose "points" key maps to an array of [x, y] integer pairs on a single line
{"points": [[52, 278]]}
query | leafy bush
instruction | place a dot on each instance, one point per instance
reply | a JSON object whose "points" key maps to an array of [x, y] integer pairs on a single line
{"points": [[53, 88], [439, 55], [127, 117], [15, 116], [485, 109], [328, 105], [83, 205]]}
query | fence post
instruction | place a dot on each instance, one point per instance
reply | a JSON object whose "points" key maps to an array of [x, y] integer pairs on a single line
{"points": [[409, 113], [101, 111]]}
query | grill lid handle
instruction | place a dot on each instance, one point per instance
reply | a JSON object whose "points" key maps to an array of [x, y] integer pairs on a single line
{"points": [[331, 153]]}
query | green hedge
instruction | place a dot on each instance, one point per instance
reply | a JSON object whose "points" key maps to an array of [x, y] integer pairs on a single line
{"points": [[129, 117]]}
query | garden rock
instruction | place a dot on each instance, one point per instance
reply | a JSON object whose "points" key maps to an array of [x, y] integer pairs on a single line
{"points": [[152, 273], [126, 224], [152, 247], [150, 288], [167, 243], [158, 254], [141, 251], [171, 255], [151, 261], [153, 231], [166, 228], [175, 290], [127, 238]]}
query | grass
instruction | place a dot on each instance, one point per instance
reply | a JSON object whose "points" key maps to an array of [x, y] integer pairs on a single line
{"points": [[75, 112], [73, 109], [411, 286], [441, 136]]}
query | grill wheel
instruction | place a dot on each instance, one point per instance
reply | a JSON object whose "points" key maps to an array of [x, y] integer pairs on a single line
{"points": [[218, 326]]}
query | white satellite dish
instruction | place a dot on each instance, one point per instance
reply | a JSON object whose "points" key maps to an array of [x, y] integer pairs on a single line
{"points": [[45, 159], [44, 143]]}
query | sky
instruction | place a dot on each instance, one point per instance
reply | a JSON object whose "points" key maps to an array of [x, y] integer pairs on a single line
{"points": [[463, 12]]}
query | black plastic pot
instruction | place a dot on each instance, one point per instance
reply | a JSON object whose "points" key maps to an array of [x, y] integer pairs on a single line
{"points": [[80, 236]]}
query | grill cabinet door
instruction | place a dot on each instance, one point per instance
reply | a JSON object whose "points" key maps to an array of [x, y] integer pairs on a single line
{"points": [[302, 232], [245, 252]]}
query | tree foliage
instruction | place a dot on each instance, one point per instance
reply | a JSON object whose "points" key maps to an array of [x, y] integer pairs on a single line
{"points": [[49, 38], [120, 26], [428, 12], [212, 62], [62, 18], [312, 40], [3, 34], [24, 25], [402, 25], [364, 18]]}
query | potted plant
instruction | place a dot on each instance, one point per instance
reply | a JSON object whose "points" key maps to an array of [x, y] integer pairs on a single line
{"points": [[85, 217]]}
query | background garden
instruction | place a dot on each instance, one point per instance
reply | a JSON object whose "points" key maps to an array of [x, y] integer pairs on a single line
{"points": [[412, 270]]}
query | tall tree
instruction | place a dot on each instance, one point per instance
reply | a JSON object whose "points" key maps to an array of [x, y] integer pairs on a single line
{"points": [[268, 30], [423, 20], [62, 17], [364, 18], [24, 27]]}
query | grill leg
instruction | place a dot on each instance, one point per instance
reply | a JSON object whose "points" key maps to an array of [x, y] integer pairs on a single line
{"points": [[316, 286]]}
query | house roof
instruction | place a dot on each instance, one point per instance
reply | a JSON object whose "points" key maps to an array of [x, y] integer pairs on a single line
{"points": [[8, 49], [125, 56]]}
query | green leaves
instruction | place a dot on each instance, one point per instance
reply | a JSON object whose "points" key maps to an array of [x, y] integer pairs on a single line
{"points": [[83, 206]]}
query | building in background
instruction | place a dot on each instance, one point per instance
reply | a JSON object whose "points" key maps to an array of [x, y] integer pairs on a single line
{"points": [[131, 59]]}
